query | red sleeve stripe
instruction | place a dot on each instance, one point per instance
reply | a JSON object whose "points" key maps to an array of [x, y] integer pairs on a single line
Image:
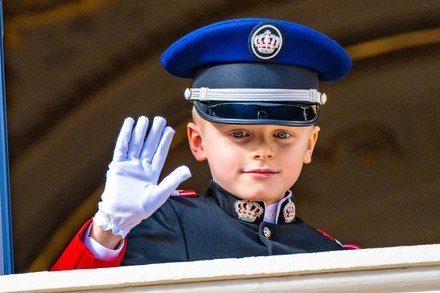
{"points": [[187, 193], [351, 246]]}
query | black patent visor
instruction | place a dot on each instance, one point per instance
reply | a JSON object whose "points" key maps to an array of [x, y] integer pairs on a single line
{"points": [[278, 113]]}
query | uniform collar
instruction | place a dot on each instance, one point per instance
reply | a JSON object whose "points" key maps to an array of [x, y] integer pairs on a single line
{"points": [[283, 212]]}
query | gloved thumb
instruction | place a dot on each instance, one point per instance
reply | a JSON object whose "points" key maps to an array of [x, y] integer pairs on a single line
{"points": [[173, 180], [156, 195]]}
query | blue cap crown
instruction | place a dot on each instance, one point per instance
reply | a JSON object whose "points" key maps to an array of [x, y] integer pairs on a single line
{"points": [[228, 42]]}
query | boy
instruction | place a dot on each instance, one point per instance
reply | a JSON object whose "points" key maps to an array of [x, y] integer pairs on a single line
{"points": [[255, 105]]}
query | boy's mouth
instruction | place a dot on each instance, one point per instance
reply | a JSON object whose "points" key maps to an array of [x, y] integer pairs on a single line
{"points": [[261, 172]]}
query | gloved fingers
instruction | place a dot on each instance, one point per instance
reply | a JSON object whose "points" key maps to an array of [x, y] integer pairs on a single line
{"points": [[121, 147], [153, 139], [137, 138], [161, 153]]}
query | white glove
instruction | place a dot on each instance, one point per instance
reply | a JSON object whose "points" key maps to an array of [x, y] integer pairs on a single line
{"points": [[131, 191]]}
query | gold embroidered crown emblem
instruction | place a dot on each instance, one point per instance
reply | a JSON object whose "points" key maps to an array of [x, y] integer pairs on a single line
{"points": [[247, 210], [289, 212]]}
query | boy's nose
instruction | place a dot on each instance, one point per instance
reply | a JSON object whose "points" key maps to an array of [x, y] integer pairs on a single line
{"points": [[263, 152]]}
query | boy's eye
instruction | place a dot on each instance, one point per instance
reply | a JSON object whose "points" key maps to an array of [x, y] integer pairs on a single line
{"points": [[281, 134], [238, 134]]}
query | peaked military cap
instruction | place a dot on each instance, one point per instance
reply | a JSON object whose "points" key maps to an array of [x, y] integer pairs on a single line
{"points": [[257, 71]]}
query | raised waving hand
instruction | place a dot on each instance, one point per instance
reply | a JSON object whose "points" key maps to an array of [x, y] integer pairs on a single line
{"points": [[132, 191]]}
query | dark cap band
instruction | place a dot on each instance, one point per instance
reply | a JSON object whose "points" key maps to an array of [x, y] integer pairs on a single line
{"points": [[255, 75]]}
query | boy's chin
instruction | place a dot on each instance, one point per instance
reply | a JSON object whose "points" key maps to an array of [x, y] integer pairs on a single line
{"points": [[265, 197]]}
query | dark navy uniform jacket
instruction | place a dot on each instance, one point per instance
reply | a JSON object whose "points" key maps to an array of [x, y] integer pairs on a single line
{"points": [[207, 227]]}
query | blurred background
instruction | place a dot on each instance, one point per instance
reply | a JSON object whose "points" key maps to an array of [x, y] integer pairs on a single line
{"points": [[76, 68]]}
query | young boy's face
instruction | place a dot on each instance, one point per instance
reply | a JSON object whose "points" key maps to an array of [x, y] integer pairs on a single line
{"points": [[253, 162]]}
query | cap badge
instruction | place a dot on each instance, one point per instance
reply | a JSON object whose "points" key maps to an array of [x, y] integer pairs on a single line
{"points": [[266, 41], [247, 210], [289, 211]]}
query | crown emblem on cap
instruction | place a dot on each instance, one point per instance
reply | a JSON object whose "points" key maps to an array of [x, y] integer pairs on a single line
{"points": [[266, 41], [247, 210]]}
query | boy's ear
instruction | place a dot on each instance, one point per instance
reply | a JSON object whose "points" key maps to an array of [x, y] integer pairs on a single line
{"points": [[311, 144], [195, 141]]}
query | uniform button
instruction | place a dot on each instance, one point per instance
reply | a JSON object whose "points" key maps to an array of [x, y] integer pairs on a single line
{"points": [[267, 233]]}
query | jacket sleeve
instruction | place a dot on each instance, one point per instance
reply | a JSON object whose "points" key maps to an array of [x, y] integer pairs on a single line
{"points": [[78, 256]]}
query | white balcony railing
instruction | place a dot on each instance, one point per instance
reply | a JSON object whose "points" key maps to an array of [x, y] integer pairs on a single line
{"points": [[393, 269]]}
